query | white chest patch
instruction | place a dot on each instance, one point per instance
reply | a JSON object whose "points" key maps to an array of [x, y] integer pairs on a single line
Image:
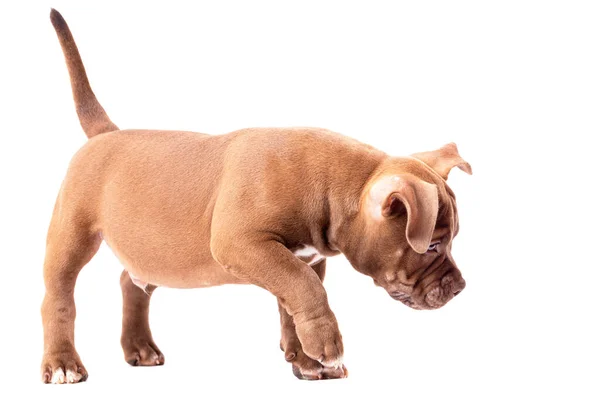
{"points": [[310, 254], [139, 283]]}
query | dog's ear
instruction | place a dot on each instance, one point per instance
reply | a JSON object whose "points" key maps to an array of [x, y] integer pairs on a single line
{"points": [[391, 196], [444, 159]]}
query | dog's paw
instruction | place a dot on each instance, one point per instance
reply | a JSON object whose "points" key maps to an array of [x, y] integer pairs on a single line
{"points": [[63, 368], [321, 340], [306, 368], [142, 352], [320, 372]]}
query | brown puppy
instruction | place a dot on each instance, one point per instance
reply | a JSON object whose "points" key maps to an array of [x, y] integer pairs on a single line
{"points": [[256, 206]]}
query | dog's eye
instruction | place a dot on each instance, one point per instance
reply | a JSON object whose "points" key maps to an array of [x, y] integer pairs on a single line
{"points": [[433, 246]]}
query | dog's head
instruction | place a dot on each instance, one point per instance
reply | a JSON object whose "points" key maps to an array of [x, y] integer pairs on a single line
{"points": [[402, 236]]}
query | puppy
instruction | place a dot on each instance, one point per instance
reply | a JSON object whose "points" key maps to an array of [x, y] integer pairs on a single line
{"points": [[262, 206]]}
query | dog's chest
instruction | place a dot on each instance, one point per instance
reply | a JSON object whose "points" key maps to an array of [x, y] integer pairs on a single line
{"points": [[309, 255]]}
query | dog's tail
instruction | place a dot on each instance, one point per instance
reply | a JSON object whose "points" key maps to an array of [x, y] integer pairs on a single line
{"points": [[91, 115]]}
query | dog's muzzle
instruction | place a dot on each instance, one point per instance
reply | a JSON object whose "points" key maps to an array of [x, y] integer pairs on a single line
{"points": [[440, 294], [436, 296]]}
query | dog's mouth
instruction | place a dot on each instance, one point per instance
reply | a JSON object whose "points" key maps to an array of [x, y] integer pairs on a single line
{"points": [[435, 298], [405, 299]]}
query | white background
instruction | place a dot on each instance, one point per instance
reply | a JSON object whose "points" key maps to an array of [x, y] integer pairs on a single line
{"points": [[516, 84]]}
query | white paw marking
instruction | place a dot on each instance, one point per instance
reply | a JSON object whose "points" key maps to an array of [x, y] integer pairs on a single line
{"points": [[73, 376], [58, 376], [335, 364], [310, 252]]}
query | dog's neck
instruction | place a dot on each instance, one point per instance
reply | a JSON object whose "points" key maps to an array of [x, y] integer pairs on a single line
{"points": [[346, 188]]}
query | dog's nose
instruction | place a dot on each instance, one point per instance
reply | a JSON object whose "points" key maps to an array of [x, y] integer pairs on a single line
{"points": [[459, 286]]}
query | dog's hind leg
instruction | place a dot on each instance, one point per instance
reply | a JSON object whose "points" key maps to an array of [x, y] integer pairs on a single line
{"points": [[70, 245], [136, 339], [303, 366]]}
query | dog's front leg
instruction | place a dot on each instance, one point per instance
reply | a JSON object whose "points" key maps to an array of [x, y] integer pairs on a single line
{"points": [[303, 366], [298, 288]]}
